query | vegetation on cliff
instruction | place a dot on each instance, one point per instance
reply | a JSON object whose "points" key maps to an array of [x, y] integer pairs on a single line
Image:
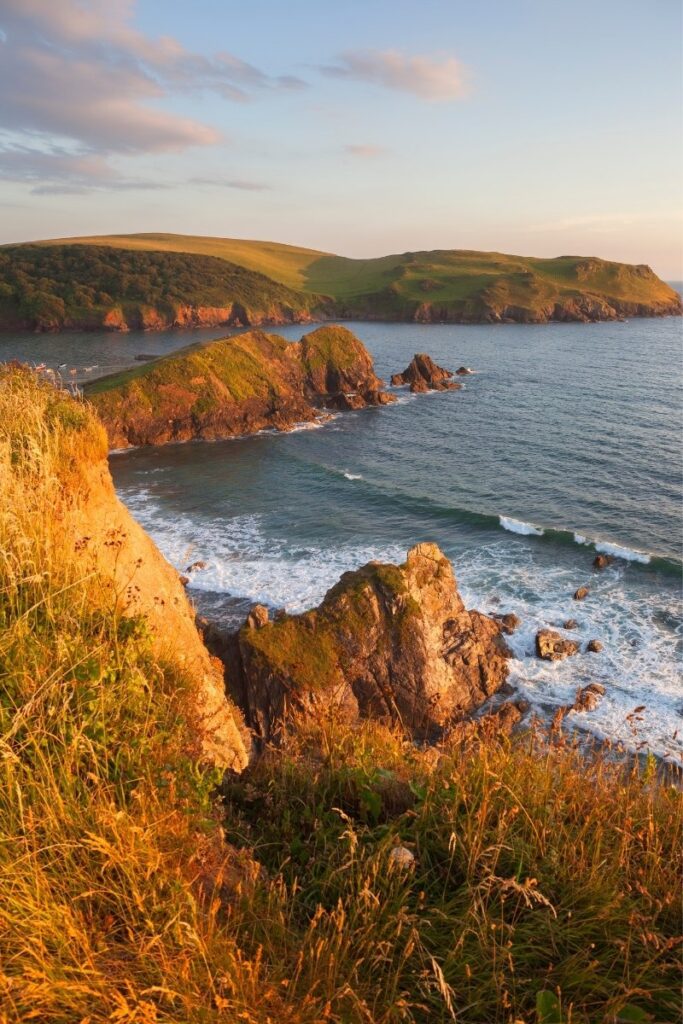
{"points": [[440, 285], [99, 286], [534, 870], [236, 385]]}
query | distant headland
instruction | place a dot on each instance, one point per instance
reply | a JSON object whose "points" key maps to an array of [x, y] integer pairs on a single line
{"points": [[160, 281]]}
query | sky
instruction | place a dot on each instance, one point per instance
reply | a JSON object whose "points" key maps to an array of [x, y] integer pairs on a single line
{"points": [[361, 127]]}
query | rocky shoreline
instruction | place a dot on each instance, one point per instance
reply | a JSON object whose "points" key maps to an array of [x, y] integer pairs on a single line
{"points": [[198, 317]]}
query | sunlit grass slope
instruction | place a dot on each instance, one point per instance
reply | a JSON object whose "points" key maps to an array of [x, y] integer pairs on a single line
{"points": [[437, 277], [539, 880]]}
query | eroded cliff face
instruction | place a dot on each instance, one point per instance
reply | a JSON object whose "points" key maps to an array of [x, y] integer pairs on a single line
{"points": [[394, 643], [237, 386], [108, 541]]}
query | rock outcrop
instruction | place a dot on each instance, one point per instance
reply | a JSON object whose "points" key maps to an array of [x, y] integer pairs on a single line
{"points": [[551, 646], [422, 374], [394, 643], [237, 386]]}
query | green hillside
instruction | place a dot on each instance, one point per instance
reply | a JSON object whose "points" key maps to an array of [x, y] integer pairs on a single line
{"points": [[84, 285], [459, 286]]}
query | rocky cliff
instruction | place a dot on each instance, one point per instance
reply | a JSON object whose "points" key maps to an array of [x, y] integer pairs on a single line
{"points": [[108, 541], [54, 475], [394, 643], [237, 386]]}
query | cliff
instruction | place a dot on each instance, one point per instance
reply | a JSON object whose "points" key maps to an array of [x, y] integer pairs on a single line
{"points": [[392, 643], [54, 474], [156, 281], [236, 386]]}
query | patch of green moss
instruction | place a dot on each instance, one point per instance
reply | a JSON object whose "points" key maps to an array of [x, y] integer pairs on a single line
{"points": [[300, 648]]}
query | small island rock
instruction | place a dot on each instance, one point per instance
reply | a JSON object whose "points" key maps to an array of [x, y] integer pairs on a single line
{"points": [[551, 646], [423, 374]]}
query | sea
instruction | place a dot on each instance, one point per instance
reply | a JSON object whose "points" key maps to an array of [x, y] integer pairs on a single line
{"points": [[564, 441]]}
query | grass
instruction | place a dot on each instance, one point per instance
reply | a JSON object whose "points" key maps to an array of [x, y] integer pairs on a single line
{"points": [[535, 870], [446, 276]]}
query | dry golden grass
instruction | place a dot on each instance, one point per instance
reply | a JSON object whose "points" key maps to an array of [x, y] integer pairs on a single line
{"points": [[536, 869]]}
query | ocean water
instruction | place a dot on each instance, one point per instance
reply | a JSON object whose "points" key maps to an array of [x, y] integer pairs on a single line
{"points": [[565, 440]]}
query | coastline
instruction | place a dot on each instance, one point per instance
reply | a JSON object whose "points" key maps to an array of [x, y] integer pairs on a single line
{"points": [[361, 315]]}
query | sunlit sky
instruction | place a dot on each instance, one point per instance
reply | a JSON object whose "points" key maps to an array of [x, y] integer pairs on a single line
{"points": [[364, 127]]}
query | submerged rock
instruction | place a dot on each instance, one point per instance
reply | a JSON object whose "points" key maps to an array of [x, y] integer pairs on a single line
{"points": [[570, 624], [391, 642], [588, 697], [602, 561], [594, 646], [581, 594], [551, 646], [423, 374], [463, 371]]}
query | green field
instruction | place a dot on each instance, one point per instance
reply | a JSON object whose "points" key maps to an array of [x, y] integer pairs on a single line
{"points": [[440, 285]]}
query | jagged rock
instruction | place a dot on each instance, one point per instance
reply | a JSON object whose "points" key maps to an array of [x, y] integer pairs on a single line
{"points": [[581, 594], [463, 371], [394, 643], [570, 624], [594, 646], [602, 561], [423, 374], [184, 580], [509, 622], [236, 386], [196, 565], [551, 646], [257, 617], [588, 697]]}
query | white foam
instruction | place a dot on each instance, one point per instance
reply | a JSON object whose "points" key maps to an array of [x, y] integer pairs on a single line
{"points": [[352, 476], [640, 631], [629, 554], [518, 526], [606, 547], [244, 561]]}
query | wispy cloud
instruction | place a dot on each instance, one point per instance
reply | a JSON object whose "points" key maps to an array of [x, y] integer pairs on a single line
{"points": [[240, 184], [80, 76], [366, 151], [436, 77]]}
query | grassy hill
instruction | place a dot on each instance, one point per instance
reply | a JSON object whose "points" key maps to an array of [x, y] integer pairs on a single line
{"points": [[441, 285], [97, 285]]}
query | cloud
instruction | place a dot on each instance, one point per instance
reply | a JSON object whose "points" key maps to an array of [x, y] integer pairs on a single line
{"points": [[238, 183], [365, 151], [429, 78], [79, 75]]}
